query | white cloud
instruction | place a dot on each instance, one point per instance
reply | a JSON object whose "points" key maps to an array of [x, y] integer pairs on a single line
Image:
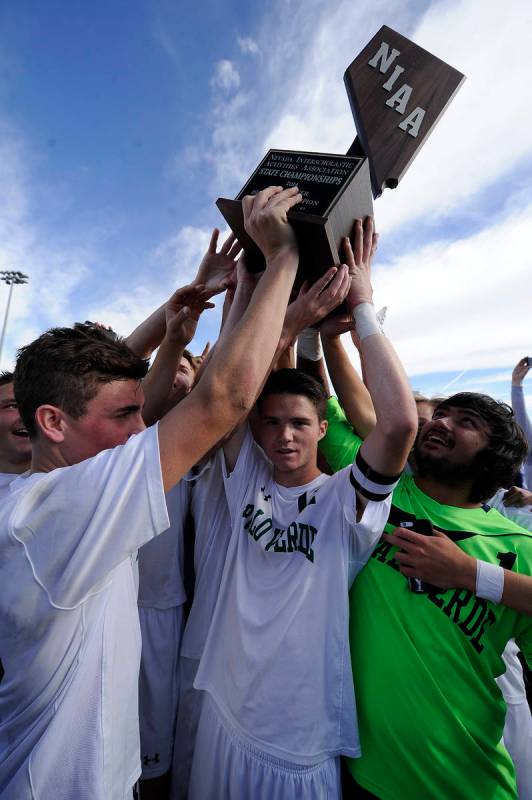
{"points": [[55, 271], [487, 129], [182, 253], [461, 305], [177, 260], [248, 45], [453, 305], [483, 135], [226, 76]]}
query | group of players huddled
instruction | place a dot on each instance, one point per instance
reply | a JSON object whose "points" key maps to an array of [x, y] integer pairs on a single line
{"points": [[297, 594]]}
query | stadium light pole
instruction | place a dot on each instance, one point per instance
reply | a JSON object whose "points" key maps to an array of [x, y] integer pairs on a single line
{"points": [[11, 277]]}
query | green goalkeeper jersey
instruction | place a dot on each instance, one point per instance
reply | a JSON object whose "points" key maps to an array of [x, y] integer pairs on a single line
{"points": [[430, 713]]}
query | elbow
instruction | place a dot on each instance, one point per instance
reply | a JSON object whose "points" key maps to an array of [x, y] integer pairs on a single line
{"points": [[229, 404], [400, 430]]}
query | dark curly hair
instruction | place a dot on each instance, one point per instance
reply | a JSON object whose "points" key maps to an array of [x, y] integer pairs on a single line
{"points": [[294, 381], [65, 367], [497, 465]]}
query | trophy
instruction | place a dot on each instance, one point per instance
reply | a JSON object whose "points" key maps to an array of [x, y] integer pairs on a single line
{"points": [[397, 92]]}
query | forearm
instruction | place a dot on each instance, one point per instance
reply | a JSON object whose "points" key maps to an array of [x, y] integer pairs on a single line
{"points": [[517, 592], [285, 357], [396, 418], [519, 409], [158, 382], [248, 342], [352, 395], [149, 334], [316, 369], [388, 385]]}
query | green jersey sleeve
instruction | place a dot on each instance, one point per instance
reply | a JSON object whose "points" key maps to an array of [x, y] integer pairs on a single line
{"points": [[340, 444]]}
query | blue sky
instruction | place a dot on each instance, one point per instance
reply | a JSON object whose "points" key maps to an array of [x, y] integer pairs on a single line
{"points": [[120, 124]]}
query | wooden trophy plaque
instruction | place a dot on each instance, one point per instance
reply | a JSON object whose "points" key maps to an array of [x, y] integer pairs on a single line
{"points": [[335, 190], [398, 92]]}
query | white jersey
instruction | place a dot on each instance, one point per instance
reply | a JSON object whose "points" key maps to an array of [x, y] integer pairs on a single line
{"points": [[276, 660], [6, 479], [69, 631], [511, 683], [522, 515], [161, 597], [160, 561], [212, 529], [517, 734]]}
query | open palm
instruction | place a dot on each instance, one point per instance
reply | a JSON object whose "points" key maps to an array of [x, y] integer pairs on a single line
{"points": [[217, 266]]}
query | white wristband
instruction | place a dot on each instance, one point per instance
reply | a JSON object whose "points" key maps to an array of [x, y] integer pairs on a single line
{"points": [[490, 581], [309, 344], [366, 322]]}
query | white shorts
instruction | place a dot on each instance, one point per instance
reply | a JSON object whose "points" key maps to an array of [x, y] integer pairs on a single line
{"points": [[188, 714], [161, 631], [228, 767], [517, 738]]}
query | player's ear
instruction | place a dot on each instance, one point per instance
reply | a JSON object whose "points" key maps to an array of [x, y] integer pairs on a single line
{"points": [[51, 423], [323, 429]]}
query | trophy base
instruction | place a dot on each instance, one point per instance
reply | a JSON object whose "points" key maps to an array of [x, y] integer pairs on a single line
{"points": [[319, 235]]}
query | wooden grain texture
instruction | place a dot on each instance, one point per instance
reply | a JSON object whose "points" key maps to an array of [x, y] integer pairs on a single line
{"points": [[390, 149]]}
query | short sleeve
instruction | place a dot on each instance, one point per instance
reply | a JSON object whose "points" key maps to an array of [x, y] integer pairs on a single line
{"points": [[77, 523], [520, 515], [340, 444], [250, 465], [360, 479]]}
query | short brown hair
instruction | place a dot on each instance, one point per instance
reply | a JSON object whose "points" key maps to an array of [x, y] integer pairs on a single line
{"points": [[66, 366], [294, 381]]}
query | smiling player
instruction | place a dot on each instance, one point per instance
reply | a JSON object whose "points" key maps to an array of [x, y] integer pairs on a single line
{"points": [[15, 447], [439, 692]]}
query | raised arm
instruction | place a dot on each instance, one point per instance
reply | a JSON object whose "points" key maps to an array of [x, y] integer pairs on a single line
{"points": [[243, 355], [387, 446], [246, 284], [149, 334], [350, 389], [182, 314], [519, 373], [215, 268], [311, 306]]}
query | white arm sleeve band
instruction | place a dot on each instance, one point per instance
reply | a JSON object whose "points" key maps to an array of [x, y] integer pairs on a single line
{"points": [[490, 581], [309, 344], [366, 322]]}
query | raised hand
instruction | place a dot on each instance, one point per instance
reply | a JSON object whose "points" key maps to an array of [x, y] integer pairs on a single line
{"points": [[332, 327], [266, 221], [315, 302], [520, 371], [359, 251], [183, 311], [216, 266], [517, 497]]}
